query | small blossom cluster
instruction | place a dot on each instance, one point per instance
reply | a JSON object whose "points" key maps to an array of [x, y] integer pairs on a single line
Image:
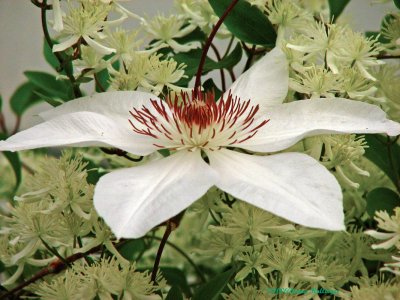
{"points": [[56, 219], [329, 60]]}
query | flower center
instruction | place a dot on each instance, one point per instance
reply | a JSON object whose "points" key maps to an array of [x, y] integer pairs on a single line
{"points": [[197, 122]]}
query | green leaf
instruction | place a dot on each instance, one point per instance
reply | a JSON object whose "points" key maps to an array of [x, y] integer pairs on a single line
{"points": [[195, 35], [212, 289], [382, 199], [48, 83], [192, 60], [397, 3], [49, 56], [13, 159], [229, 61], [246, 22], [23, 98], [103, 77], [337, 7], [132, 248], [164, 152], [52, 101], [209, 86], [176, 277], [378, 153], [174, 294], [376, 34]]}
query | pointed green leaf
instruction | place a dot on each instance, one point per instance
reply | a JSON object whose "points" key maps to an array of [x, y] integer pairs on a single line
{"points": [[48, 82], [174, 294], [176, 277], [195, 35], [337, 7], [13, 159], [382, 199], [378, 153], [52, 101], [49, 56], [23, 98], [229, 61], [212, 289], [246, 22], [397, 3], [192, 60], [131, 248], [209, 86]]}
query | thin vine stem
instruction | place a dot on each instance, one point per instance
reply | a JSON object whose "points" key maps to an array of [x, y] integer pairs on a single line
{"points": [[186, 256], [54, 268], [75, 86], [208, 45], [221, 71], [160, 250], [3, 123]]}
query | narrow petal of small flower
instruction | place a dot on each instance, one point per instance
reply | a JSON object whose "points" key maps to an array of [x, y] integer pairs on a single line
{"points": [[66, 44], [291, 122], [97, 46], [111, 104], [291, 185], [133, 201], [57, 13], [80, 129], [266, 82]]}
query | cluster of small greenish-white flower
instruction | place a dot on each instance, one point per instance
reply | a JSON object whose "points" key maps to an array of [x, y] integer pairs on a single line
{"points": [[329, 60], [56, 219], [91, 29], [103, 280], [391, 237], [270, 252]]}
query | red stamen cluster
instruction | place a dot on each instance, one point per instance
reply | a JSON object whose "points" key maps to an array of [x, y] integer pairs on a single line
{"points": [[197, 121]]}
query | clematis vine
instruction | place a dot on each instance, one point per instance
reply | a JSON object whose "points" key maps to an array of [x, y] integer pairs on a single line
{"points": [[205, 137]]}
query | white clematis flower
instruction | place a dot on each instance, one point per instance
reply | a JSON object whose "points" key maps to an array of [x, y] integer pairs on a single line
{"points": [[291, 185]]}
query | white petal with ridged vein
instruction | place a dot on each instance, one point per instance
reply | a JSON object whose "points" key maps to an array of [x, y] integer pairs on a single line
{"points": [[291, 185], [80, 129], [112, 104], [291, 122], [133, 201], [266, 82]]}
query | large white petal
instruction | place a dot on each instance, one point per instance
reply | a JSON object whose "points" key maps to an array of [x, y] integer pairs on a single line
{"points": [[266, 82], [113, 104], [133, 201], [291, 185], [80, 129], [291, 122]]}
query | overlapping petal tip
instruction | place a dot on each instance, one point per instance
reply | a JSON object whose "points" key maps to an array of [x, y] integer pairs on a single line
{"points": [[266, 82], [291, 122], [291, 185], [133, 201], [80, 129]]}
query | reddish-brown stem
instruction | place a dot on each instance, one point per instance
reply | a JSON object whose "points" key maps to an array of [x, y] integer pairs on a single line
{"points": [[223, 82], [160, 250], [17, 125], [55, 267], [98, 83], [3, 123], [207, 46], [387, 56]]}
